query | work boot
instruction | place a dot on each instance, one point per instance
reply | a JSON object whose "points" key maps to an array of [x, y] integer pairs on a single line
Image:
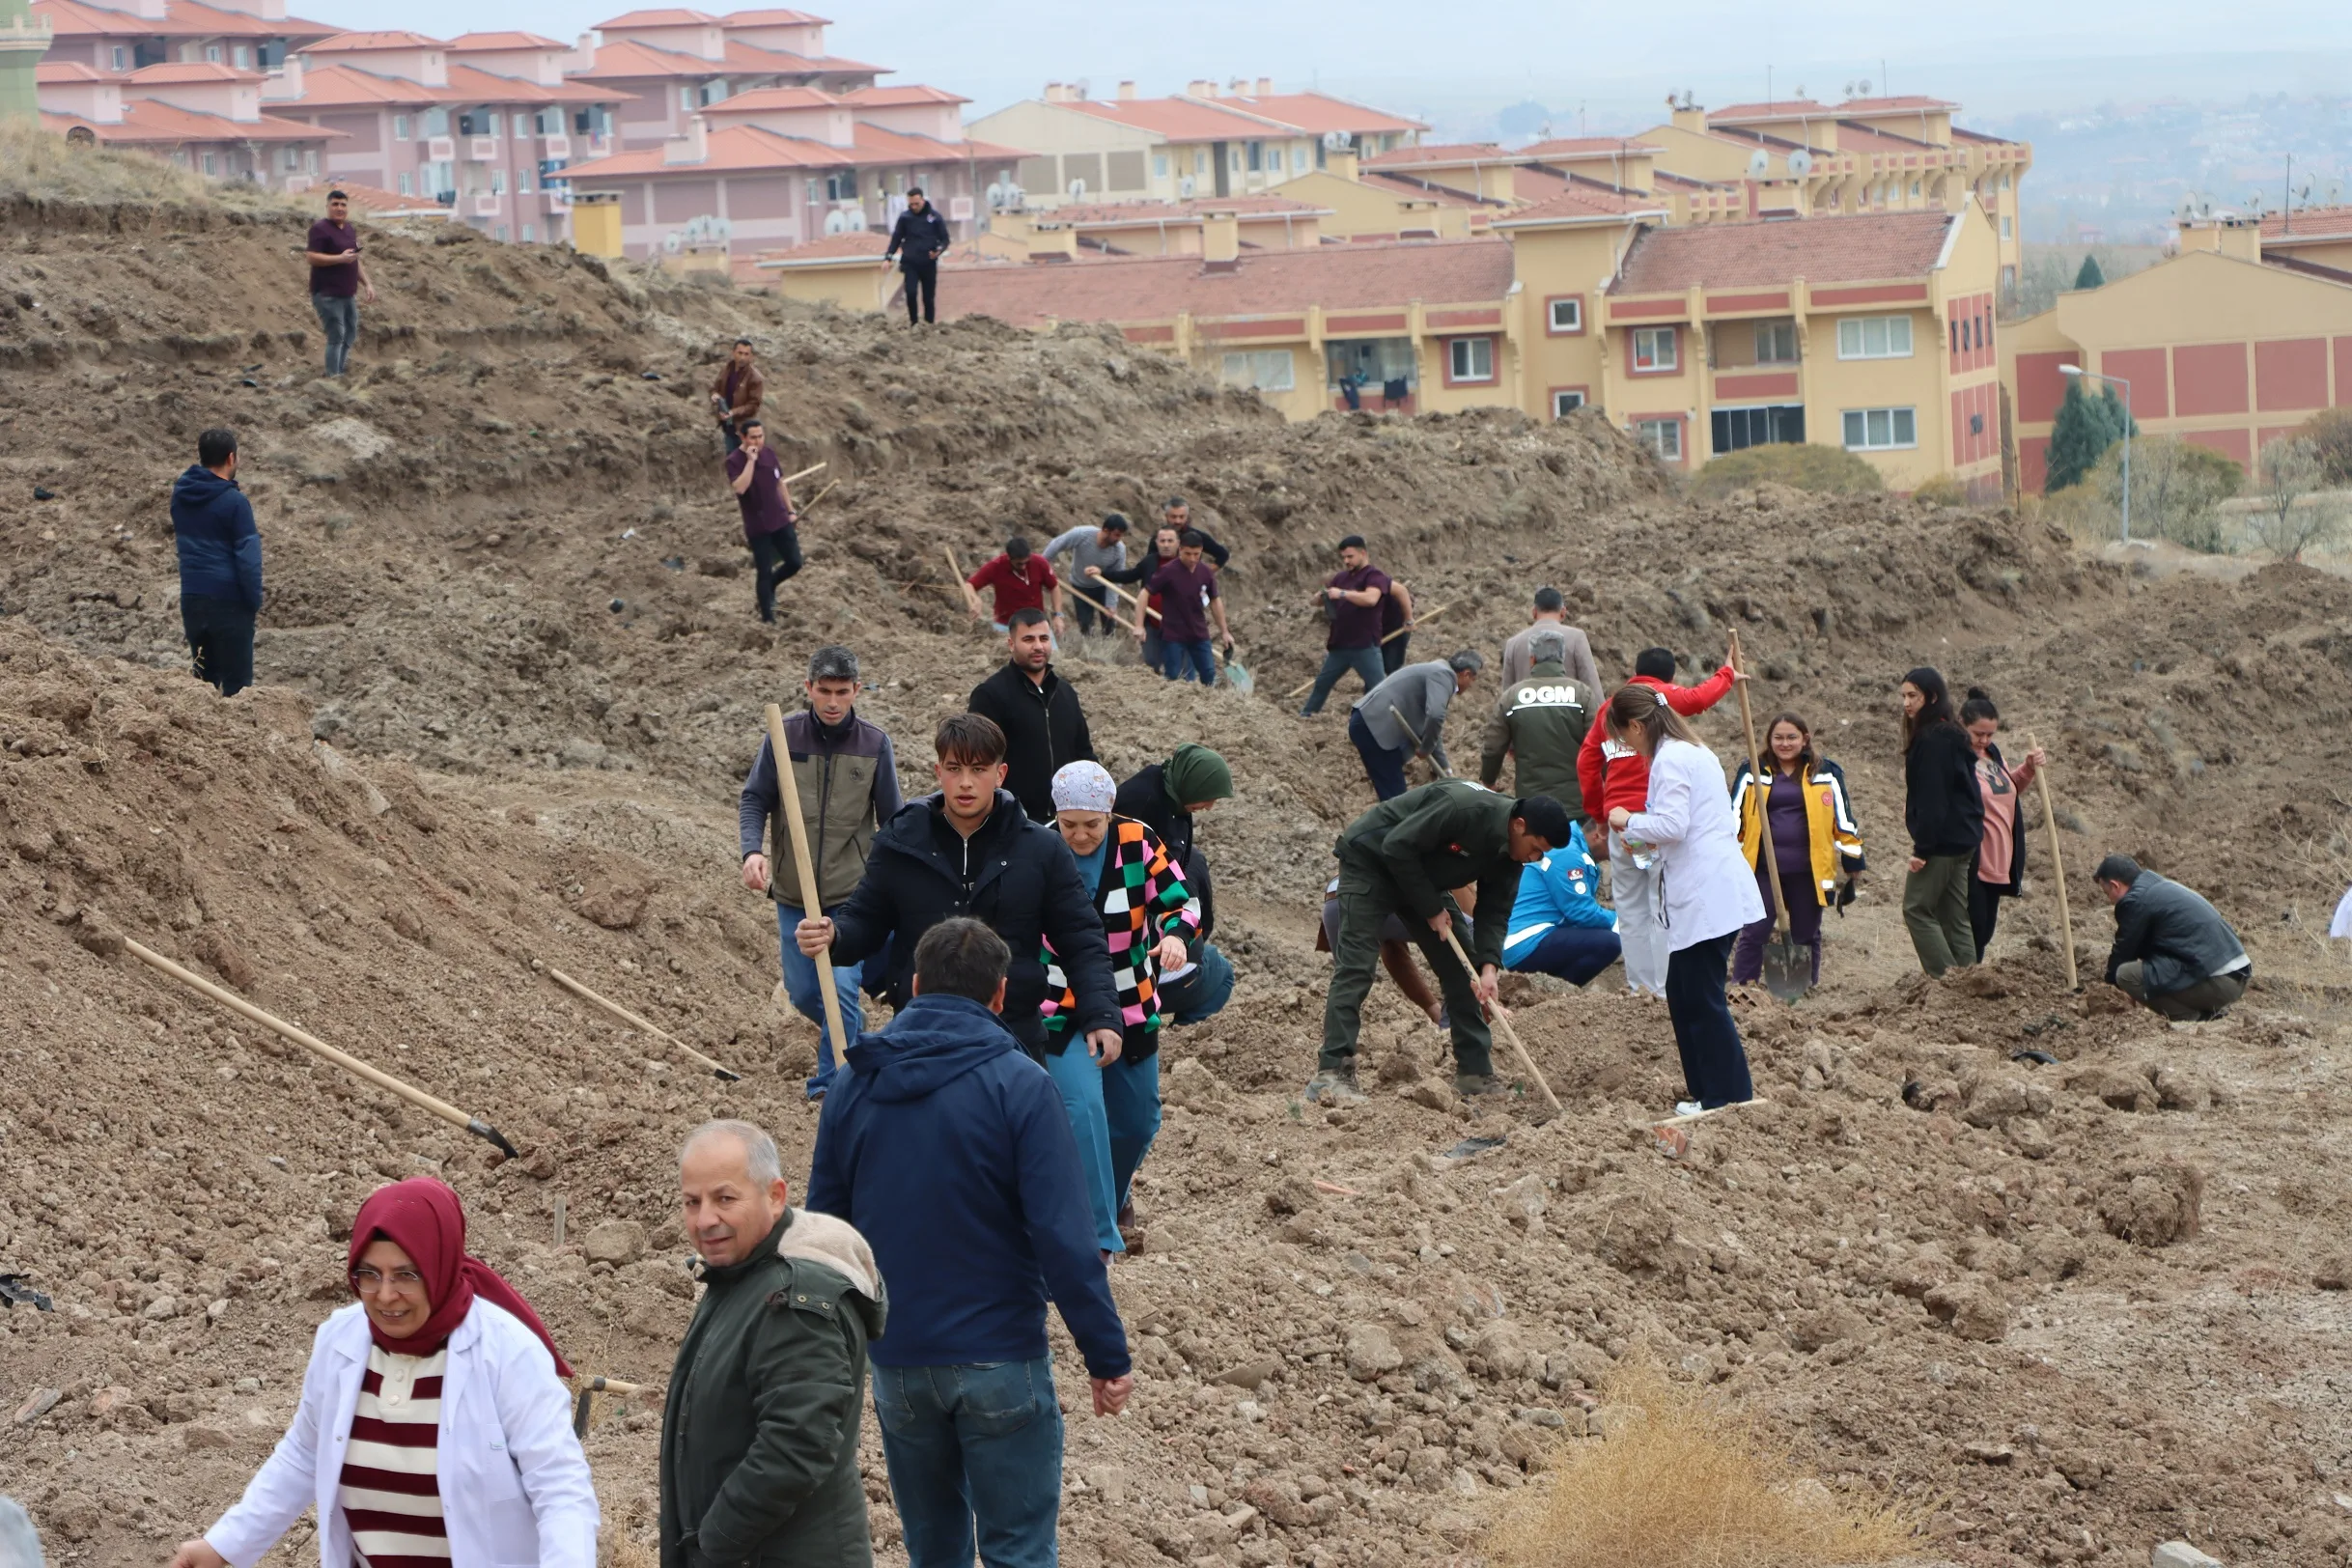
{"points": [[1471, 1085], [1334, 1088]]}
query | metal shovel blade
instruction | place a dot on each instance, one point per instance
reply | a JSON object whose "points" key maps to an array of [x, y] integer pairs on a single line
{"points": [[1788, 967], [1240, 678]]}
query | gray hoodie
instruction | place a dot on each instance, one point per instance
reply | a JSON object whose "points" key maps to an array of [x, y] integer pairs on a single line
{"points": [[1407, 712]]}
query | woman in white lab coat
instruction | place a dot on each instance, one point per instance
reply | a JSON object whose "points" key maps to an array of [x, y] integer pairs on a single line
{"points": [[1706, 891], [435, 1428]]}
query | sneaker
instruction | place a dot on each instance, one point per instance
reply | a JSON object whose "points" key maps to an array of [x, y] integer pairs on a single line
{"points": [[1687, 1108], [1334, 1088], [1469, 1086]]}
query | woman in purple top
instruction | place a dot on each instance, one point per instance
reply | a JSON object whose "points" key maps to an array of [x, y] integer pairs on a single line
{"points": [[1814, 841]]}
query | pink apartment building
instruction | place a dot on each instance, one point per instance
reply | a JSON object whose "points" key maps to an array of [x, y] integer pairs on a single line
{"points": [[673, 64], [116, 39], [206, 118]]}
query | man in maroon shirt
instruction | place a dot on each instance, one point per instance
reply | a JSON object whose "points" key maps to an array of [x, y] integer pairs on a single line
{"points": [[770, 525], [1022, 581], [1188, 596], [337, 279], [1353, 601]]}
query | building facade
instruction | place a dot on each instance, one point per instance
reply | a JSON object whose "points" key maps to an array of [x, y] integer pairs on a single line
{"points": [[668, 66], [116, 39], [206, 118]]}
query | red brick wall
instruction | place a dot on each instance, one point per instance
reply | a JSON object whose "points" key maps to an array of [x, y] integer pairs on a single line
{"points": [[2040, 388], [2291, 372], [2209, 379], [2144, 369], [1979, 439]]}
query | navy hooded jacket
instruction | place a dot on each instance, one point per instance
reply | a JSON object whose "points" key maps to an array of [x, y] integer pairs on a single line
{"points": [[220, 550], [950, 1151]]}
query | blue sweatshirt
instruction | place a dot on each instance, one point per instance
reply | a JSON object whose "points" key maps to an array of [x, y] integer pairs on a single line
{"points": [[220, 550], [991, 1221], [1556, 891]]}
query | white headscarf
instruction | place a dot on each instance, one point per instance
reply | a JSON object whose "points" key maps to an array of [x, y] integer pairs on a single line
{"points": [[1083, 786]]}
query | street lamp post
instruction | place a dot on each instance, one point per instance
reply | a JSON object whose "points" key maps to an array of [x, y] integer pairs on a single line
{"points": [[2079, 370]]}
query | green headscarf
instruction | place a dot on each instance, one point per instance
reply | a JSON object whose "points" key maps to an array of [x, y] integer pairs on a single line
{"points": [[1196, 774]]}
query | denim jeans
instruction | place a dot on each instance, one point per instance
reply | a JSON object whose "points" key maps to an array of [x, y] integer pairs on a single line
{"points": [[975, 1458], [801, 985], [776, 556], [1130, 1104], [1336, 662], [220, 641], [1384, 767], [1575, 954], [1189, 661], [1202, 994], [339, 315], [1079, 1079]]}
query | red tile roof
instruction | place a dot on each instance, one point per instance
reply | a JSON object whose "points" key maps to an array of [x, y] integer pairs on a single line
{"points": [[1961, 135], [474, 83], [502, 41], [179, 72], [334, 87], [1579, 146], [1438, 152], [1866, 246], [1156, 288], [1777, 110], [146, 122], [732, 149], [761, 98], [1854, 136], [365, 42], [1399, 183], [887, 97], [65, 70], [879, 144], [1104, 215], [1316, 113], [1581, 201], [1882, 105], [622, 59], [773, 18], [2309, 223], [674, 16], [832, 248], [180, 19], [1175, 118]]}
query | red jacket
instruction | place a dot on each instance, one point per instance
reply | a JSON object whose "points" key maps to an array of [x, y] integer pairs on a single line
{"points": [[1611, 776]]}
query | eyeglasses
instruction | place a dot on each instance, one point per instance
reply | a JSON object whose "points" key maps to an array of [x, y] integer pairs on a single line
{"points": [[368, 1281]]}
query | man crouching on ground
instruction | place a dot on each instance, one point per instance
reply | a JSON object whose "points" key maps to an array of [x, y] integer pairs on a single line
{"points": [[758, 1435]]}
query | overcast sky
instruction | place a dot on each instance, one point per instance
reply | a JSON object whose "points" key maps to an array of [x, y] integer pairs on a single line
{"points": [[1619, 61]]}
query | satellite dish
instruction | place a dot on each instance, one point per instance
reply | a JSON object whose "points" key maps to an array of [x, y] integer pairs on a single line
{"points": [[1801, 163], [2335, 191], [1864, 85], [836, 222], [1339, 141], [669, 242], [857, 219], [996, 195], [1185, 187], [1078, 190], [1760, 164]]}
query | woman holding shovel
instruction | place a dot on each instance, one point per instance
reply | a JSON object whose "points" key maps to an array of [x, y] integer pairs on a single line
{"points": [[1705, 890], [432, 1424], [1999, 868], [1813, 839]]}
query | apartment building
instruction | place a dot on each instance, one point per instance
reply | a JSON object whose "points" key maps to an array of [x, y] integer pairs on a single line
{"points": [[669, 65], [1149, 227], [246, 35], [206, 118], [2312, 236], [1795, 157], [2227, 344], [1206, 142], [485, 125]]}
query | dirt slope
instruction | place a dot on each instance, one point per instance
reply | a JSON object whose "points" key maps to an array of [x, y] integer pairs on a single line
{"points": [[2067, 1310]]}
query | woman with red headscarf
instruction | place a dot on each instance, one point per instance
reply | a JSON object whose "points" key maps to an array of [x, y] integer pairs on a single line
{"points": [[435, 1431]]}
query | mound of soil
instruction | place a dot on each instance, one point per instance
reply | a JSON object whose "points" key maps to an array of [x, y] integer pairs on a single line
{"points": [[2070, 1309]]}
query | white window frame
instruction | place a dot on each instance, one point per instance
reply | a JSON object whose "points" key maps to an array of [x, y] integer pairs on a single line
{"points": [[1776, 328], [526, 235], [400, 128], [1887, 439], [686, 98], [1854, 335], [212, 54], [241, 57], [1459, 351], [2006, 231], [408, 183], [1262, 370], [1575, 305], [121, 58], [1561, 408], [1159, 165], [1654, 336], [1658, 435]]}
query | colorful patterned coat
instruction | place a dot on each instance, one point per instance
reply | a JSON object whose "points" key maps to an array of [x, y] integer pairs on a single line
{"points": [[1143, 898]]}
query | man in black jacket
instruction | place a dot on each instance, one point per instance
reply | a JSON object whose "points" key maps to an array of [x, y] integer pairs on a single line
{"points": [[1038, 710], [919, 238], [969, 851], [2174, 952]]}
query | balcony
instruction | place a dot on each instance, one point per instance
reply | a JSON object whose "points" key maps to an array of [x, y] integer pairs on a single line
{"points": [[441, 148], [481, 149], [486, 205], [555, 145]]}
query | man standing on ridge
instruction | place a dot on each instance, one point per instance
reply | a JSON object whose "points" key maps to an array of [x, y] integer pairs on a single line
{"points": [[1399, 858], [220, 564], [1094, 550], [919, 238], [1611, 774], [1551, 614], [737, 394], [771, 526], [338, 277], [1044, 726], [1351, 605], [847, 775]]}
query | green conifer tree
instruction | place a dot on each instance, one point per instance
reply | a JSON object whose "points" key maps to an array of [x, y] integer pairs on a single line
{"points": [[2089, 277]]}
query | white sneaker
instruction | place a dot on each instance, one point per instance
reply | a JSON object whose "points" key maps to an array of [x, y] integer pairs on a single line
{"points": [[1687, 1108]]}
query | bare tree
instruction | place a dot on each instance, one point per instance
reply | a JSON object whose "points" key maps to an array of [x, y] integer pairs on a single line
{"points": [[2295, 514]]}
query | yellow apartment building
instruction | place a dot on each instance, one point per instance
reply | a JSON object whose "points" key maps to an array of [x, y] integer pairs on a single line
{"points": [[2226, 345], [1794, 157], [1078, 229], [1366, 203], [2316, 235], [1238, 140]]}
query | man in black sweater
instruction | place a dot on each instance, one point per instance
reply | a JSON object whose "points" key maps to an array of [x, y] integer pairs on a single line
{"points": [[968, 850], [1038, 710], [919, 239]]}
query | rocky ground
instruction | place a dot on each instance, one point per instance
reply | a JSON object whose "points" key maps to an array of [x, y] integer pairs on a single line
{"points": [[2064, 1310]]}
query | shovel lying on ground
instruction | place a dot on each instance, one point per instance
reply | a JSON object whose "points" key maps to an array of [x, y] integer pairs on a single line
{"points": [[615, 1009], [321, 1049], [1788, 964], [585, 1404]]}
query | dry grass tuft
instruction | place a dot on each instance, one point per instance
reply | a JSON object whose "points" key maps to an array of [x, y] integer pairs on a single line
{"points": [[45, 166], [1685, 1482]]}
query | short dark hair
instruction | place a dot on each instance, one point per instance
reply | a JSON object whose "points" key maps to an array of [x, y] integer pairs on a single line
{"points": [[1173, 502], [962, 957], [1550, 601], [1017, 547], [743, 342], [215, 446], [1116, 522], [752, 424], [1545, 818], [914, 190], [1192, 538], [969, 738], [338, 195], [1029, 615], [1979, 705], [833, 662], [1467, 658], [1658, 663], [2118, 868], [1353, 542]]}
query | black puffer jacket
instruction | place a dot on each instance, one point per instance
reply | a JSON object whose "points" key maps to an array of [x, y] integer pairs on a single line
{"points": [[1014, 875], [1044, 729], [1941, 807]]}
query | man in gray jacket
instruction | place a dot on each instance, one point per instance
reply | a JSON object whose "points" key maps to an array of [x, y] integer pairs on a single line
{"points": [[1551, 616], [1102, 550], [1404, 714], [2174, 952]]}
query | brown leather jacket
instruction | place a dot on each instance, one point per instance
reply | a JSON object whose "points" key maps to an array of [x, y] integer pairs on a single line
{"points": [[747, 392]]}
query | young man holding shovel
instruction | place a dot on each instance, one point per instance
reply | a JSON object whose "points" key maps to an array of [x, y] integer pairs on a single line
{"points": [[848, 779]]}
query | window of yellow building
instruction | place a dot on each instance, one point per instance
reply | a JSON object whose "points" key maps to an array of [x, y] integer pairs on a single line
{"points": [[1662, 437], [1564, 315], [1881, 429], [1656, 351], [1266, 370], [1566, 400], [1874, 337], [1775, 343], [1470, 359]]}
